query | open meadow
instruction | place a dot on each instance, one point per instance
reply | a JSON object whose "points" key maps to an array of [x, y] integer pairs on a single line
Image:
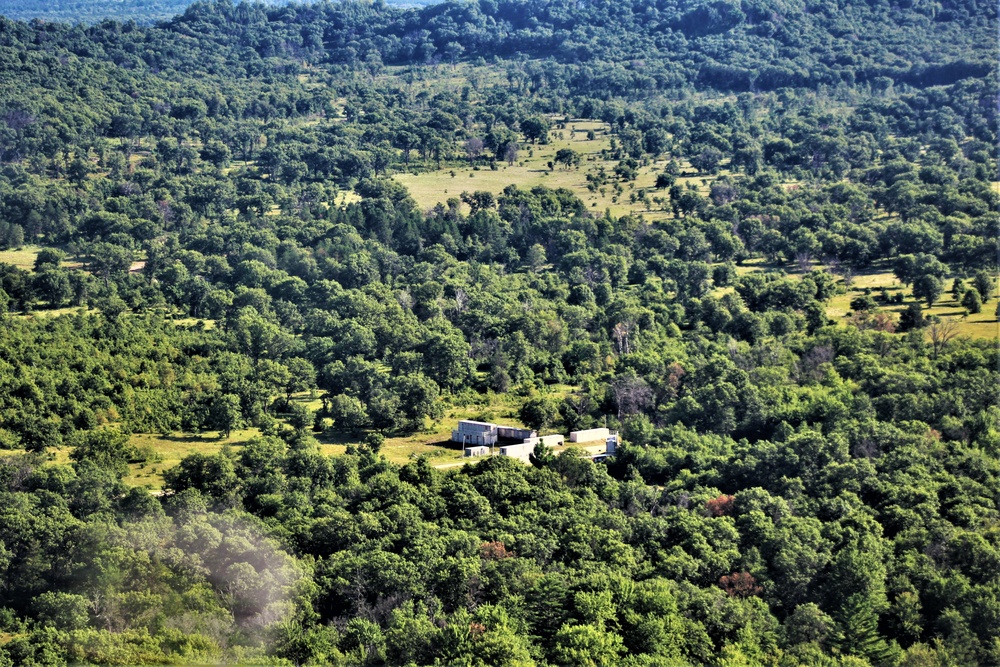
{"points": [[532, 168]]}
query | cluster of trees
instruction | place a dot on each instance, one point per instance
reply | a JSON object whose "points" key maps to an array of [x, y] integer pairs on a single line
{"points": [[789, 491]]}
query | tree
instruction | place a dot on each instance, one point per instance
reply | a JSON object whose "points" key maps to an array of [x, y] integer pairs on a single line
{"points": [[536, 129], [541, 456], [984, 283], [109, 448], [864, 303], [52, 285], [707, 160], [536, 258], [301, 377], [214, 475], [630, 394], [347, 412], [109, 261], [539, 413], [972, 301], [498, 139], [912, 317], [373, 442], [446, 357], [859, 635], [510, 153], [586, 646], [928, 287], [225, 414], [300, 417], [941, 332], [39, 434], [473, 149], [61, 610], [567, 157], [49, 258], [665, 180]]}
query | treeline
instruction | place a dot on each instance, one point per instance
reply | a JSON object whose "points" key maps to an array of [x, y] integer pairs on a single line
{"points": [[761, 46], [144, 12]]}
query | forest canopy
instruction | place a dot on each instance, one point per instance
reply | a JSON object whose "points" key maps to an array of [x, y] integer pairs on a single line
{"points": [[292, 245]]}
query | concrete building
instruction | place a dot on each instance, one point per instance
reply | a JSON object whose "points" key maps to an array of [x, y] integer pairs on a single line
{"points": [[589, 435], [475, 433], [477, 439], [521, 451], [515, 433]]}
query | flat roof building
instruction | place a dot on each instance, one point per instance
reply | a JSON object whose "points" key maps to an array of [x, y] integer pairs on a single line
{"points": [[475, 433], [589, 435]]}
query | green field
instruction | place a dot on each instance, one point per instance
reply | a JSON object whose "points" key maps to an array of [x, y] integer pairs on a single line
{"points": [[22, 258], [433, 187], [979, 325]]}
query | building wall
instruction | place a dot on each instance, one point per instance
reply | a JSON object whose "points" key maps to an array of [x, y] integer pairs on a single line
{"points": [[520, 451], [589, 435], [468, 439], [515, 433]]}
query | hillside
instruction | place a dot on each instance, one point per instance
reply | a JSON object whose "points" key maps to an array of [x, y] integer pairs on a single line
{"points": [[257, 262], [141, 11]]}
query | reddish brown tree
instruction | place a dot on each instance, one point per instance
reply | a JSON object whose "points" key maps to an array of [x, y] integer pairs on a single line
{"points": [[739, 585], [721, 506]]}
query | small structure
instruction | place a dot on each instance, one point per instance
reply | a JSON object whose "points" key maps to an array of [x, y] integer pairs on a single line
{"points": [[589, 435], [475, 433], [477, 451], [521, 451]]}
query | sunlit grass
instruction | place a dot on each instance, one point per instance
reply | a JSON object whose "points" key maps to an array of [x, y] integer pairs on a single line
{"points": [[531, 169], [22, 258], [979, 325]]}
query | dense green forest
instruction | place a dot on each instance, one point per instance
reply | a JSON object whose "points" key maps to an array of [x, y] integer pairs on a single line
{"points": [[788, 309], [140, 11]]}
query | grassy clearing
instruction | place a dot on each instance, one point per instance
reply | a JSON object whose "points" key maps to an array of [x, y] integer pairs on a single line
{"points": [[22, 258], [531, 169], [172, 448], [435, 440], [56, 312], [981, 325]]}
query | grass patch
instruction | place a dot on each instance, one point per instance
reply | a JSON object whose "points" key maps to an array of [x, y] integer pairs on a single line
{"points": [[433, 187], [22, 258], [435, 440], [980, 325], [172, 448]]}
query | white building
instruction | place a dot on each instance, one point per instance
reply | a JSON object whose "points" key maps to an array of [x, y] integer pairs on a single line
{"points": [[589, 435], [521, 451], [475, 433]]}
